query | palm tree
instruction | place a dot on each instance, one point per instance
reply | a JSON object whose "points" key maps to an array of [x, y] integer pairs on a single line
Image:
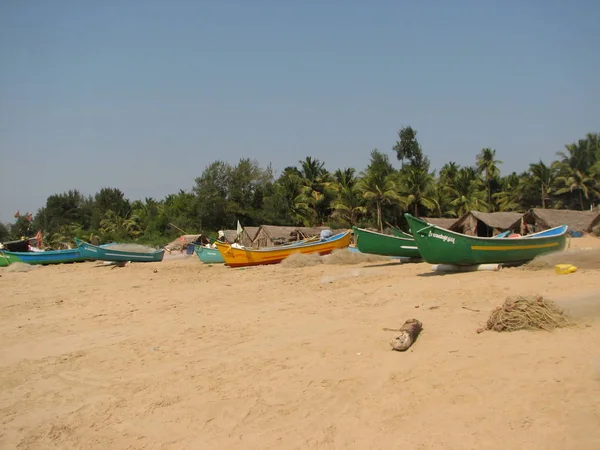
{"points": [[378, 193], [312, 169], [291, 190], [348, 204], [487, 165], [466, 192], [416, 189], [316, 192], [448, 172], [510, 194], [575, 180], [121, 227], [441, 200], [544, 178]]}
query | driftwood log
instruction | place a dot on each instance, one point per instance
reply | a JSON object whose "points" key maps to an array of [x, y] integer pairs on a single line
{"points": [[407, 335]]}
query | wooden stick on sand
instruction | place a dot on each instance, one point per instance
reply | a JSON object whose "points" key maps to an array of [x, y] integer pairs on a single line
{"points": [[407, 335]]}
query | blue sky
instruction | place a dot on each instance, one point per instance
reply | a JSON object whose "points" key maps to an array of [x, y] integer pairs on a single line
{"points": [[142, 95]]}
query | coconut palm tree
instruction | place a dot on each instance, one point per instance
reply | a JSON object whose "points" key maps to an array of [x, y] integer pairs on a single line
{"points": [[448, 172], [576, 181], [488, 165], [466, 191], [291, 189], [510, 195], [378, 193], [416, 185], [544, 178], [348, 204], [441, 200], [316, 190]]}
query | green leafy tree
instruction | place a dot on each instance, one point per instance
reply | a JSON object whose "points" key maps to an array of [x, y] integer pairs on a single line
{"points": [[247, 185], [287, 203], [21, 228], [407, 147], [64, 209], [4, 232], [212, 191]]}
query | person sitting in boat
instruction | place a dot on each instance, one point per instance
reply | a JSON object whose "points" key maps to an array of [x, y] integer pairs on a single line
{"points": [[221, 236]]}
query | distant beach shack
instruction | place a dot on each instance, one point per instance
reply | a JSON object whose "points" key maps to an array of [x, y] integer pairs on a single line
{"points": [[271, 235], [539, 219], [481, 224], [248, 235]]}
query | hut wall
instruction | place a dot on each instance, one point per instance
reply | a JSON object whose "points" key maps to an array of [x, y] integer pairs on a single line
{"points": [[262, 239], [248, 235], [467, 226], [594, 226], [269, 236]]}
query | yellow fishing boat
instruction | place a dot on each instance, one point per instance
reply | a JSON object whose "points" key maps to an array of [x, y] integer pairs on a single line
{"points": [[240, 257]]}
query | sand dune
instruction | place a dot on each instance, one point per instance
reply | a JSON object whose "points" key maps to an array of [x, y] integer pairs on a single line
{"points": [[274, 357]]}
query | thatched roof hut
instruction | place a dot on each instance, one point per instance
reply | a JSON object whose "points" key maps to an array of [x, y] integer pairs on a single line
{"points": [[230, 236], [595, 225], [248, 235], [307, 232], [271, 235], [440, 221], [538, 219], [182, 242], [476, 223]]}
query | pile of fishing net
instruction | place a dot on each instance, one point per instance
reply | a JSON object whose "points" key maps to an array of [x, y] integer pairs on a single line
{"points": [[527, 313], [133, 248]]}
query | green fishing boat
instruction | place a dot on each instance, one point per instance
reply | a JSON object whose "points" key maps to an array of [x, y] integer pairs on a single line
{"points": [[440, 246], [385, 244]]}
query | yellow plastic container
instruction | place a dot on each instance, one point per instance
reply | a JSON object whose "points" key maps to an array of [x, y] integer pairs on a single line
{"points": [[564, 269]]}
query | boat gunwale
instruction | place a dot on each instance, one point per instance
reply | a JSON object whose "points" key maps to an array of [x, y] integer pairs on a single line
{"points": [[386, 235], [48, 252]]}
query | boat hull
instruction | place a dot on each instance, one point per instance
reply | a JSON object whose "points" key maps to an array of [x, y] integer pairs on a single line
{"points": [[236, 257], [440, 246], [92, 252], [3, 259], [43, 258], [209, 255], [386, 245]]}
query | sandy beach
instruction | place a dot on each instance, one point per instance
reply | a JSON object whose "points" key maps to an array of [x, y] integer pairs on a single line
{"points": [[181, 355]]}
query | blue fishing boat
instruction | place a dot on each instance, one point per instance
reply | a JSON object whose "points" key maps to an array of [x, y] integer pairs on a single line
{"points": [[49, 257], [93, 252], [209, 255]]}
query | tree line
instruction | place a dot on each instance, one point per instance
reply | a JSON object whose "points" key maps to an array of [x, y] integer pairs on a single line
{"points": [[309, 195]]}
